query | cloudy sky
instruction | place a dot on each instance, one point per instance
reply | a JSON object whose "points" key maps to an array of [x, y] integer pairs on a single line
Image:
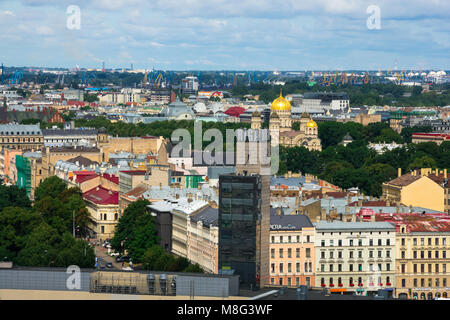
{"points": [[226, 34]]}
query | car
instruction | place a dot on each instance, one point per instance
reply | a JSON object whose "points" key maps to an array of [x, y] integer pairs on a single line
{"points": [[114, 254], [109, 265], [122, 259]]}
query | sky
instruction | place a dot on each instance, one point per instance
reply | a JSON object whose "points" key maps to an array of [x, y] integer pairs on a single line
{"points": [[227, 34]]}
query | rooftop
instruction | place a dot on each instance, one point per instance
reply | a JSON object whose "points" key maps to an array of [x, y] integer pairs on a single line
{"points": [[339, 225], [102, 196]]}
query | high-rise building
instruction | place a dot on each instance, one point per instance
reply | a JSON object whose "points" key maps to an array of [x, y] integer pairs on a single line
{"points": [[189, 85], [244, 210], [239, 218]]}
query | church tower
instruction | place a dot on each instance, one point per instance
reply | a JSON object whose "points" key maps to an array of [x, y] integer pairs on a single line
{"points": [[256, 120], [282, 107]]}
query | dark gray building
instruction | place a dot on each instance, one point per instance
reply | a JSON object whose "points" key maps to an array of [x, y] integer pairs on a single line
{"points": [[239, 218]]}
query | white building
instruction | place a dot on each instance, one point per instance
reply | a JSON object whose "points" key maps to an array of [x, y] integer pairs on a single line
{"points": [[355, 256]]}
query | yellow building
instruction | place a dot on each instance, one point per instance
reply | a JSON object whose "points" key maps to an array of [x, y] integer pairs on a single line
{"points": [[420, 188], [422, 260], [280, 125]]}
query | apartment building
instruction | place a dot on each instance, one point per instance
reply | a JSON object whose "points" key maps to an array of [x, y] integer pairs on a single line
{"points": [[292, 254], [355, 257], [20, 136], [423, 260]]}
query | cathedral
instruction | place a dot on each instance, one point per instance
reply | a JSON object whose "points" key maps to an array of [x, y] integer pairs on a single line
{"points": [[280, 124]]}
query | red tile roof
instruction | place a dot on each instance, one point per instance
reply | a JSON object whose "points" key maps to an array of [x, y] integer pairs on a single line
{"points": [[102, 196], [111, 178], [82, 178], [235, 111]]}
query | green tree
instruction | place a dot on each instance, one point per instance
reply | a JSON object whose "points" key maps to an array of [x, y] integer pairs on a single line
{"points": [[136, 231], [13, 196], [50, 187], [422, 162]]}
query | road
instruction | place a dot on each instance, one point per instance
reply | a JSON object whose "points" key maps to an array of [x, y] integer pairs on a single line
{"points": [[104, 258]]}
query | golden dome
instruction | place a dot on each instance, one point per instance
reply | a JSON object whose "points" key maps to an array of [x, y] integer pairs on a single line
{"points": [[280, 103], [311, 124]]}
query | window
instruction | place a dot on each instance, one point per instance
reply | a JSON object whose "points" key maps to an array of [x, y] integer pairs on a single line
{"points": [[436, 241], [360, 242], [351, 243], [281, 253], [388, 254], [403, 241], [289, 253], [272, 267], [322, 268], [444, 282], [422, 282], [379, 267], [323, 243], [308, 252], [371, 242], [444, 254], [360, 267], [430, 282], [415, 254], [415, 268], [444, 242], [403, 254], [388, 242], [281, 239], [289, 239], [436, 254], [351, 268], [331, 254], [415, 241], [436, 268], [298, 238], [429, 254], [339, 254], [444, 268], [351, 254], [422, 268], [422, 241], [403, 268], [289, 267], [359, 254], [322, 254], [379, 242], [273, 239], [388, 267], [429, 241], [429, 268], [331, 243], [297, 281], [297, 267], [415, 283], [297, 252], [272, 253], [339, 267], [281, 268], [371, 254], [422, 254], [308, 238], [340, 243], [403, 283], [331, 268], [379, 253]]}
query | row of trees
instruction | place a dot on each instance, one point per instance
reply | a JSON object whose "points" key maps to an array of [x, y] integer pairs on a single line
{"points": [[136, 234], [41, 234]]}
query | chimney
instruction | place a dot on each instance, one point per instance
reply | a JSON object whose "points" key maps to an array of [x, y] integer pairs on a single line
{"points": [[399, 172], [323, 214]]}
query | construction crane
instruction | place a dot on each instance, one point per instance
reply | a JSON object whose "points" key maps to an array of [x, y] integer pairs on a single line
{"points": [[158, 80], [144, 81], [366, 79], [344, 79], [16, 77], [352, 79]]}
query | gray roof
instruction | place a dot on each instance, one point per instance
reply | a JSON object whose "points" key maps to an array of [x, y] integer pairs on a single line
{"points": [[215, 172], [20, 129], [175, 109], [289, 222], [69, 132], [209, 216], [339, 225]]}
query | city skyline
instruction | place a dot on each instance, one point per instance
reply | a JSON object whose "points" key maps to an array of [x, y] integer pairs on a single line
{"points": [[246, 35]]}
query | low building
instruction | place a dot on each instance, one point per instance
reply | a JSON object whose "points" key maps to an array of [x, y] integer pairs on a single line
{"points": [[438, 138], [355, 257], [21, 136]]}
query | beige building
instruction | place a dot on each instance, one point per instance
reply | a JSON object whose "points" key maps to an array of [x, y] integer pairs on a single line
{"points": [[203, 239], [420, 188], [51, 155], [355, 256], [103, 206], [21, 136], [180, 213], [423, 260]]}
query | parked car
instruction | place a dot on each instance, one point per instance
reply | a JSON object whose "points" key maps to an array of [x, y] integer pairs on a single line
{"points": [[122, 259], [109, 265]]}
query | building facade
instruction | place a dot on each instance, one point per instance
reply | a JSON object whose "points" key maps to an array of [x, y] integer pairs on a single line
{"points": [[355, 257]]}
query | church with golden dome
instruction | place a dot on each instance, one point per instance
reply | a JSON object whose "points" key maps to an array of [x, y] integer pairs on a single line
{"points": [[280, 125]]}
